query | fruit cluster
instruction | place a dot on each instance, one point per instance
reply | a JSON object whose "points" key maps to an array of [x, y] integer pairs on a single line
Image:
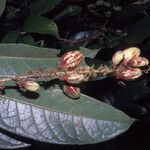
{"points": [[70, 61], [127, 63]]}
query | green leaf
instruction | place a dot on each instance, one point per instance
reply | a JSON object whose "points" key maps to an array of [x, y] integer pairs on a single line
{"points": [[27, 39], [27, 51], [42, 25], [15, 37], [95, 62], [11, 37], [49, 116], [88, 52], [89, 55], [2, 6], [72, 10], [139, 32], [41, 7], [7, 142]]}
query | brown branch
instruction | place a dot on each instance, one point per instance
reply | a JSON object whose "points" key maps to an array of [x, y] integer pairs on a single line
{"points": [[52, 74], [73, 41], [94, 36]]}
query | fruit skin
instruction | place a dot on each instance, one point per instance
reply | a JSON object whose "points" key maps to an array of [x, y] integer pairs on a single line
{"points": [[72, 91], [74, 78], [139, 62], [29, 85], [117, 57], [71, 60], [128, 73], [130, 53]]}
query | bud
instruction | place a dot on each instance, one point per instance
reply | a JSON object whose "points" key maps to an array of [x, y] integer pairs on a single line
{"points": [[71, 60], [128, 74], [73, 78], [130, 53], [139, 62], [72, 91], [117, 57], [29, 85]]}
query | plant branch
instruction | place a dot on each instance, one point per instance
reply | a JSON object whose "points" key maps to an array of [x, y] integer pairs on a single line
{"points": [[93, 37], [53, 73]]}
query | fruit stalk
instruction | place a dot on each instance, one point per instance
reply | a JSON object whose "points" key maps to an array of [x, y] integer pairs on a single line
{"points": [[53, 73]]}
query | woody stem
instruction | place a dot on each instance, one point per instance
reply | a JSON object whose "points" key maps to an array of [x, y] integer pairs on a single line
{"points": [[53, 73]]}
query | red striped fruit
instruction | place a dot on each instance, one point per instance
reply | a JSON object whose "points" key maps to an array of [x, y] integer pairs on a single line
{"points": [[73, 78], [130, 53], [128, 74], [139, 62], [117, 57], [29, 85], [72, 91], [71, 60]]}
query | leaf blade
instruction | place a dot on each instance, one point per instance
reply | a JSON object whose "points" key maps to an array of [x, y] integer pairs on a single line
{"points": [[41, 7], [60, 125], [42, 25], [11, 37], [89, 53], [7, 142], [27, 51]]}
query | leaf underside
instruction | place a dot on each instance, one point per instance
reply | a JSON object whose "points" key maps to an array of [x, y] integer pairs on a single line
{"points": [[48, 115], [7, 142]]}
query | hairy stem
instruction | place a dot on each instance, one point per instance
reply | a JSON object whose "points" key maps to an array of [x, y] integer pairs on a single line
{"points": [[53, 73]]}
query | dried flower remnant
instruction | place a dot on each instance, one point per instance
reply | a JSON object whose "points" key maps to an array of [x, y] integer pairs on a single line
{"points": [[72, 91], [71, 60]]}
